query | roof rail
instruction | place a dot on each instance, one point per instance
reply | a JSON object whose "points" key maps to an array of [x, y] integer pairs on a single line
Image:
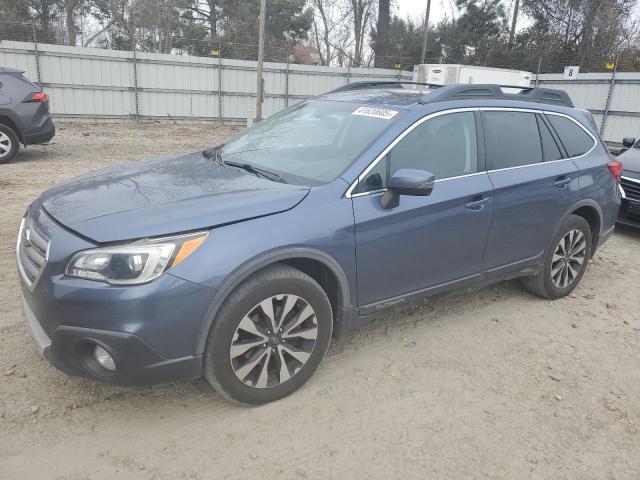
{"points": [[531, 94], [379, 84]]}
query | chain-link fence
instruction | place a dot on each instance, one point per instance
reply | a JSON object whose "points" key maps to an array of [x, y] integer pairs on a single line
{"points": [[534, 59], [155, 42]]}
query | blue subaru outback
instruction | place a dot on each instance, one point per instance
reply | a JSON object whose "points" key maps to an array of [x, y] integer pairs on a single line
{"points": [[243, 261]]}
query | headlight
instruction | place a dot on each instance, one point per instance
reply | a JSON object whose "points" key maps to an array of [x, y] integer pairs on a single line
{"points": [[134, 263]]}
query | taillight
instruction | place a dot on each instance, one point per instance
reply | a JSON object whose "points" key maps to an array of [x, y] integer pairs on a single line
{"points": [[39, 97], [615, 167]]}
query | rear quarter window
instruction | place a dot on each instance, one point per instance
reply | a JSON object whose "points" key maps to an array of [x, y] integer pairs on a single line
{"points": [[550, 150], [575, 140]]}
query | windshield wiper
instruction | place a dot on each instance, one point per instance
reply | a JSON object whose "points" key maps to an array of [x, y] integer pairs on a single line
{"points": [[261, 172], [213, 152]]}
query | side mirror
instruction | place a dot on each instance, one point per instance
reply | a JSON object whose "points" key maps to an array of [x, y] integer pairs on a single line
{"points": [[628, 142], [405, 181]]}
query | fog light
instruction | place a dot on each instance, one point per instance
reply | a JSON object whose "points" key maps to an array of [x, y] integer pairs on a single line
{"points": [[104, 359]]}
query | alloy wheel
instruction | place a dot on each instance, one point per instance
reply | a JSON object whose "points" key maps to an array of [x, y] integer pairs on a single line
{"points": [[273, 341], [568, 259], [5, 145]]}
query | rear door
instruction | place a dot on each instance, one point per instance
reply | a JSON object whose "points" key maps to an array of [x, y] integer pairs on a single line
{"points": [[534, 185], [425, 241]]}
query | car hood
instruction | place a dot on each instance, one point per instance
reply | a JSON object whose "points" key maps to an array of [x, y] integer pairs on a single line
{"points": [[630, 160], [163, 196]]}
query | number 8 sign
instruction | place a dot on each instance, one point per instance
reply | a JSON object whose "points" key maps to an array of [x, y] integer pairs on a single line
{"points": [[571, 73]]}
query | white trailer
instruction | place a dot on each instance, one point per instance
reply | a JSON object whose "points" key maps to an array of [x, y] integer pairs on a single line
{"points": [[446, 74]]}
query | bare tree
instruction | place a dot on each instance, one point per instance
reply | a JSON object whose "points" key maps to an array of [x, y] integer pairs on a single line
{"points": [[103, 29], [157, 23], [120, 13], [208, 10], [362, 12], [71, 12], [330, 31], [322, 26], [151, 25]]}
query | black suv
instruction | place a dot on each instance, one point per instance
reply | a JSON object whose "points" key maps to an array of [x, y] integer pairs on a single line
{"points": [[24, 114], [630, 183]]}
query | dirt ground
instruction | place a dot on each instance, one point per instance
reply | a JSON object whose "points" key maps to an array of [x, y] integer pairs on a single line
{"points": [[496, 384]]}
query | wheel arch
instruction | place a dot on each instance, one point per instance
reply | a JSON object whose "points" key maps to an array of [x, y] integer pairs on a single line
{"points": [[581, 208], [8, 121], [317, 264], [592, 213]]}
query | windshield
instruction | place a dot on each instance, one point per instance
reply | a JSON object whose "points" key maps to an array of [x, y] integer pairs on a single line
{"points": [[311, 143]]}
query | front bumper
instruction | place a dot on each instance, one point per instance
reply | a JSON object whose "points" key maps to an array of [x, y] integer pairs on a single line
{"points": [[629, 213], [630, 218], [71, 350], [152, 331], [629, 188]]}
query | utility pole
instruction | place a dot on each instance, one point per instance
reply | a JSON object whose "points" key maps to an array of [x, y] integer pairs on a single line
{"points": [[426, 33], [259, 85], [512, 33]]}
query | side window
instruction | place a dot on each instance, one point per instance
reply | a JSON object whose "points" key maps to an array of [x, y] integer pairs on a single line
{"points": [[511, 139], [575, 140], [375, 180], [445, 146], [550, 150]]}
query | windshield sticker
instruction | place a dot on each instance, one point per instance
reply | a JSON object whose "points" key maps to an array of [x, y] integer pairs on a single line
{"points": [[375, 112]]}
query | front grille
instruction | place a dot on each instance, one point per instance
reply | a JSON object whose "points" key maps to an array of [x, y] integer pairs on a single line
{"points": [[631, 188], [32, 252]]}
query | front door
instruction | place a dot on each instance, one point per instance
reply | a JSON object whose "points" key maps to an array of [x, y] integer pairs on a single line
{"points": [[430, 241]]}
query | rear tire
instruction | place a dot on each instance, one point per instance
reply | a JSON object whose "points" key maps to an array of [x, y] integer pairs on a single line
{"points": [[565, 260], [246, 359], [9, 144]]}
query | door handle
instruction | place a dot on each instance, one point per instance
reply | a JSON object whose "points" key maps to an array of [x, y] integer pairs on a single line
{"points": [[562, 182], [477, 205]]}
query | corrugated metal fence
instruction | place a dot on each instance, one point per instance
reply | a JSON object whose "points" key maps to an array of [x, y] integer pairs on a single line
{"points": [[112, 84], [613, 98]]}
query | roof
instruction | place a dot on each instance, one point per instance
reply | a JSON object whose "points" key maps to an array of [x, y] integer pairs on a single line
{"points": [[409, 94]]}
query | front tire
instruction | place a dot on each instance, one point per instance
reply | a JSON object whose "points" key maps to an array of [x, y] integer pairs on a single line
{"points": [[9, 144], [269, 336], [565, 260]]}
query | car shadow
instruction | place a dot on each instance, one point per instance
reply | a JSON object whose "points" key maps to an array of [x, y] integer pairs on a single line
{"points": [[34, 153]]}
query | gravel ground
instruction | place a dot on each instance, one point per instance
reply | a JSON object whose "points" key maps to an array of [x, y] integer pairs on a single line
{"points": [[495, 384]]}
